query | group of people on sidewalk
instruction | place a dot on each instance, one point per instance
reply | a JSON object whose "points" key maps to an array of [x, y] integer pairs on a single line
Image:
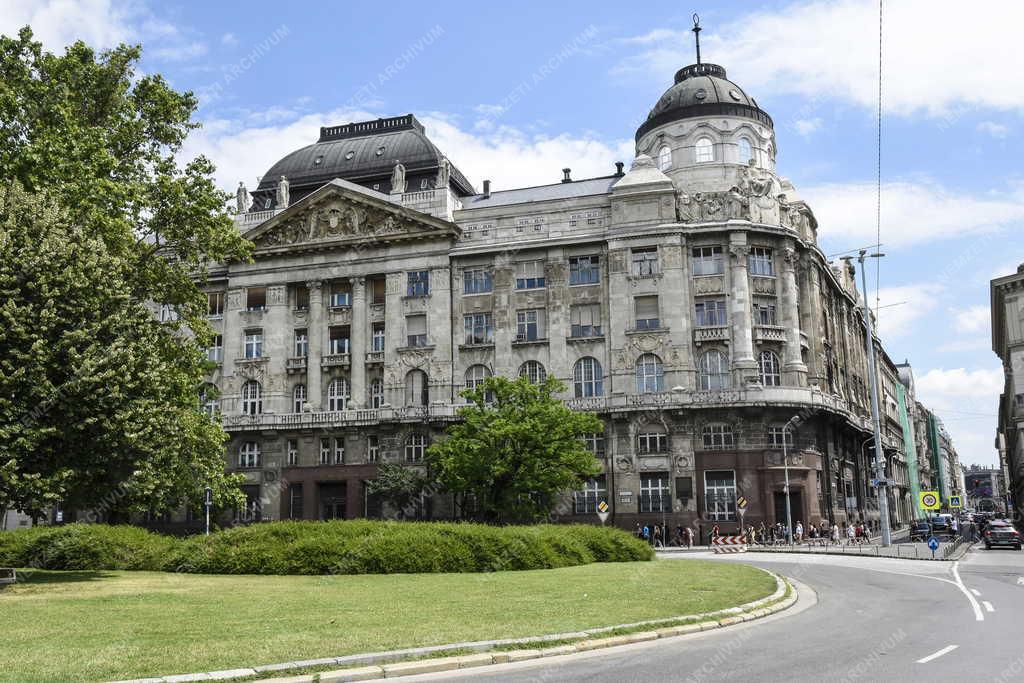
{"points": [[853, 533]]}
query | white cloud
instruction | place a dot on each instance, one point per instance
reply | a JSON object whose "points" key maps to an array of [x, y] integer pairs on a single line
{"points": [[242, 149], [912, 212], [906, 306], [996, 130], [820, 49], [180, 52], [807, 126], [967, 402], [972, 319], [229, 39], [58, 23]]}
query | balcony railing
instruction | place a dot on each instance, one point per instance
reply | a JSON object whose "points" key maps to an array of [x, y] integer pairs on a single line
{"points": [[335, 360], [772, 333], [296, 364], [354, 417], [704, 334], [374, 356], [252, 218]]}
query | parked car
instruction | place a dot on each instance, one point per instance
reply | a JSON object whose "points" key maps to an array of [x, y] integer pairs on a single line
{"points": [[920, 530], [942, 523], [1000, 532]]}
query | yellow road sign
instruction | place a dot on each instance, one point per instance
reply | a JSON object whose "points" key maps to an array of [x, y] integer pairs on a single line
{"points": [[602, 506], [929, 500]]}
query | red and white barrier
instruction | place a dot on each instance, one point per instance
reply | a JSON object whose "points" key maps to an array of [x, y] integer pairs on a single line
{"points": [[729, 544]]}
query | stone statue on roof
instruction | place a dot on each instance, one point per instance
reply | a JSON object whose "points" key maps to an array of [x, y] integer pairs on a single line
{"points": [[241, 199], [398, 177], [444, 172], [282, 193]]}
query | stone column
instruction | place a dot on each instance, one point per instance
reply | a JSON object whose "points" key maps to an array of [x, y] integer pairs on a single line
{"points": [[316, 343], [358, 334], [792, 365], [743, 359]]}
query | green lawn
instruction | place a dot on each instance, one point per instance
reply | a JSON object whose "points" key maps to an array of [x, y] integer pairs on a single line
{"points": [[100, 626]]}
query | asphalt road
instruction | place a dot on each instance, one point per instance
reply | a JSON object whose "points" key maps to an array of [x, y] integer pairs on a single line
{"points": [[859, 619]]}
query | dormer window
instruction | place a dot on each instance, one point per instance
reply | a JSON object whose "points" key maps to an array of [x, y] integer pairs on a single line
{"points": [[704, 151], [665, 158], [319, 160]]}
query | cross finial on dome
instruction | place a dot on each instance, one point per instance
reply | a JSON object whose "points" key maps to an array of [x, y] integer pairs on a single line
{"points": [[696, 33]]}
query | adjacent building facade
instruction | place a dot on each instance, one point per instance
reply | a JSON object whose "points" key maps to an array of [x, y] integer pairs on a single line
{"points": [[684, 301], [1007, 298]]}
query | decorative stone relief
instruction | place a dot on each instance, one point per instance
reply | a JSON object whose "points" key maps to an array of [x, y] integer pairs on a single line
{"points": [[684, 462], [709, 285], [337, 218], [763, 285], [276, 294], [249, 370]]}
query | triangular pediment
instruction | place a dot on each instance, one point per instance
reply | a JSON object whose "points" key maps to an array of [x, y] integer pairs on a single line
{"points": [[341, 213]]}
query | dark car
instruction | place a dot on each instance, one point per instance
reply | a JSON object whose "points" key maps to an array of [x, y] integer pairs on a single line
{"points": [[942, 524], [1001, 533], [920, 530]]}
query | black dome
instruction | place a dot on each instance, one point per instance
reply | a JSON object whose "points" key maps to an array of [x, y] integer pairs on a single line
{"points": [[702, 90]]}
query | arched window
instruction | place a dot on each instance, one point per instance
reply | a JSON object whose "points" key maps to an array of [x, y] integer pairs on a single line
{"points": [[746, 151], [704, 151], [376, 393], [476, 375], [650, 374], [533, 371], [415, 448], [665, 158], [587, 379], [417, 392], [249, 455], [339, 393], [714, 370], [298, 398], [768, 364], [252, 398], [209, 401]]}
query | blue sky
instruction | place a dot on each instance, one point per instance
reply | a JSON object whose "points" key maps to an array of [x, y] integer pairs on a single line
{"points": [[516, 94]]}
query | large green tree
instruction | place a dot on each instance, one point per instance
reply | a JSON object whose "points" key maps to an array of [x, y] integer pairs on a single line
{"points": [[96, 144], [517, 449]]}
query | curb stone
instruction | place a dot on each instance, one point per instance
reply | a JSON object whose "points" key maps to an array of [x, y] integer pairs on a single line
{"points": [[378, 665]]}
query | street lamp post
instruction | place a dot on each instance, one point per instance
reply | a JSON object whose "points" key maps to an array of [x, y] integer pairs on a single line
{"points": [[883, 497], [785, 469]]}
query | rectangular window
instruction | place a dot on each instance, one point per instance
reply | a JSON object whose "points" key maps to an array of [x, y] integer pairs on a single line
{"points": [[372, 448], [325, 451], [253, 343], [341, 294], [645, 310], [530, 325], [595, 443], [295, 510], [654, 493], [530, 275], [684, 489], [645, 261], [593, 492], [717, 437], [585, 270], [720, 495], [585, 320], [651, 442], [338, 340], [479, 328], [776, 436], [419, 283], [476, 281], [416, 330], [301, 343], [378, 338], [587, 218], [759, 261], [293, 453], [710, 313], [215, 304], [215, 352], [256, 298], [301, 298], [339, 451], [707, 261], [379, 289], [764, 311]]}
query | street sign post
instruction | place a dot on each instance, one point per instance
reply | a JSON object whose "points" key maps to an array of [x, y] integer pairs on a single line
{"points": [[933, 545], [929, 500], [208, 503], [603, 511], [741, 507], [956, 502]]}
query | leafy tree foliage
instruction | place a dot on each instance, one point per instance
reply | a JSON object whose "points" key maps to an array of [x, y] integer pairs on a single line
{"points": [[98, 399], [516, 450], [403, 488]]}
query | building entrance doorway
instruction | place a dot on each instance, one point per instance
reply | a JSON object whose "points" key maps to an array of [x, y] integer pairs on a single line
{"points": [[796, 504], [332, 501]]}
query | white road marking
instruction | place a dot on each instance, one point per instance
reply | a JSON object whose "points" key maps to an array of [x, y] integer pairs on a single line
{"points": [[936, 655], [977, 593], [988, 606], [978, 616]]}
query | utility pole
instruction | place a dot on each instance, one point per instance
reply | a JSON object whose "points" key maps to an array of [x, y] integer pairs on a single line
{"points": [[785, 469], [883, 484]]}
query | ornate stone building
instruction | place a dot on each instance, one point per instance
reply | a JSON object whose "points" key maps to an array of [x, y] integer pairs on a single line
{"points": [[1007, 299], [685, 301]]}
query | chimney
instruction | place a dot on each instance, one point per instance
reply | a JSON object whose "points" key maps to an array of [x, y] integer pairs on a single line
{"points": [[565, 175], [487, 189], [618, 168]]}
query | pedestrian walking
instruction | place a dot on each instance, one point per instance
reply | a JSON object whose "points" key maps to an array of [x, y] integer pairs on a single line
{"points": [[646, 533], [689, 537], [657, 537], [835, 533], [850, 534], [799, 531]]}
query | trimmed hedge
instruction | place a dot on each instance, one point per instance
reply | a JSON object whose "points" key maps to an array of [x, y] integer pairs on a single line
{"points": [[338, 547]]}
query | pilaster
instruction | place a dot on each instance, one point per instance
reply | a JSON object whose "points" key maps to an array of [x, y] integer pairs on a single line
{"points": [[743, 361], [316, 334], [793, 366], [358, 333]]}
